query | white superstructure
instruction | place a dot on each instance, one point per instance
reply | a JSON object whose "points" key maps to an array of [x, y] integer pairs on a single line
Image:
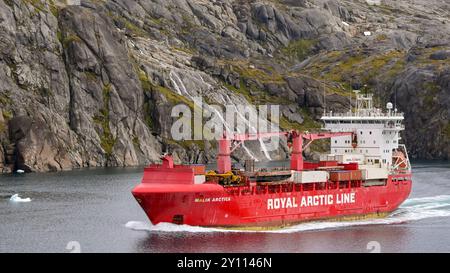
{"points": [[377, 134]]}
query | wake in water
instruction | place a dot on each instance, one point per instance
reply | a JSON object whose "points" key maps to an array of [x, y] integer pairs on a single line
{"points": [[411, 210]]}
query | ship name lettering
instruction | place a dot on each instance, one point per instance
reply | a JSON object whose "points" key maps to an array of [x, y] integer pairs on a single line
{"points": [[345, 198], [311, 201], [282, 203]]}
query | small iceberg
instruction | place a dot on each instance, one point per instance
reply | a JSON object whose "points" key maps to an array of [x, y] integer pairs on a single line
{"points": [[17, 198]]}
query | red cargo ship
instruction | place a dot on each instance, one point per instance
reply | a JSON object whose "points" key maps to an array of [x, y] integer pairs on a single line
{"points": [[366, 174]]}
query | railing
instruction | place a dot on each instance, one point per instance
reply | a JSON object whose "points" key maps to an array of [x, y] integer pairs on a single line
{"points": [[292, 187], [396, 127], [368, 114]]}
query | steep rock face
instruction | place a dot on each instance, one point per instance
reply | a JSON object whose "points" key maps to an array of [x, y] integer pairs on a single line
{"points": [[71, 93], [424, 89], [94, 85], [34, 89], [106, 95]]}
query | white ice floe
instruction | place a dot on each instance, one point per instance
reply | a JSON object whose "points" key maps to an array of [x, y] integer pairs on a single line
{"points": [[17, 198]]}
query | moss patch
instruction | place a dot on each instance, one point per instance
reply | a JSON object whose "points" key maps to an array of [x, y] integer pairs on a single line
{"points": [[299, 50], [91, 76], [148, 115], [446, 130], [264, 74], [171, 96], [53, 8], [68, 40], [7, 115], [130, 26], [107, 140], [5, 98], [381, 37], [429, 97], [2, 127], [343, 68], [308, 123]]}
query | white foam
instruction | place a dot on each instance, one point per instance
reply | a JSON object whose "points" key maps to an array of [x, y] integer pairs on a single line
{"points": [[17, 198], [169, 227], [413, 209]]}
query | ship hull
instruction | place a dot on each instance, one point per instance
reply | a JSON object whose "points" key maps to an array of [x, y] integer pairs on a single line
{"points": [[211, 205]]}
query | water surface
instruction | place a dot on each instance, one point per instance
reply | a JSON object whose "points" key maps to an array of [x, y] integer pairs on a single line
{"points": [[96, 209]]}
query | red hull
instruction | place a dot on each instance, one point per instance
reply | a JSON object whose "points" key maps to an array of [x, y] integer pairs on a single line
{"points": [[213, 205]]}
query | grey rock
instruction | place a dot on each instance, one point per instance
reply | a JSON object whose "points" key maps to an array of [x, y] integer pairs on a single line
{"points": [[440, 55], [291, 112], [314, 99], [338, 10], [421, 88], [252, 30]]}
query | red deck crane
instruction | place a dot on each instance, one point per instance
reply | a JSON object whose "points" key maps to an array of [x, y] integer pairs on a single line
{"points": [[225, 149]]}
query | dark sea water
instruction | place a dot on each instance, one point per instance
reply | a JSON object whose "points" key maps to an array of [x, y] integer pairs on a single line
{"points": [[94, 210]]}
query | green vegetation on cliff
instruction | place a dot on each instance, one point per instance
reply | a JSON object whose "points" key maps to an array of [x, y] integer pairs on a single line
{"points": [[299, 50], [107, 139], [171, 96]]}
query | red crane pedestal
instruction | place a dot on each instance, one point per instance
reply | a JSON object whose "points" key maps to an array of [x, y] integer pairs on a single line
{"points": [[224, 156], [297, 153]]}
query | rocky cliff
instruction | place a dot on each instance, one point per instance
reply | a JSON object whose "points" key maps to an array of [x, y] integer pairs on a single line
{"points": [[93, 84]]}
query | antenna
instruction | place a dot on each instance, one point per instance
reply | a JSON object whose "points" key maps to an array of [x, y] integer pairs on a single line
{"points": [[324, 98], [350, 97], [356, 99], [395, 99]]}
